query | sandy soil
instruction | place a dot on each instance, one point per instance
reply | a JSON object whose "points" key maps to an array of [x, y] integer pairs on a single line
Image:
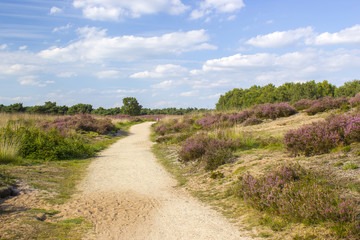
{"points": [[128, 195]]}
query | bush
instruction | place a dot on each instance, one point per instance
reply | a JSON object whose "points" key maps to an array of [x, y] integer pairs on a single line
{"points": [[297, 195], [34, 143], [214, 152], [326, 103], [208, 120], [321, 137], [80, 122], [193, 148], [303, 104], [355, 101], [240, 117], [273, 111], [252, 121]]}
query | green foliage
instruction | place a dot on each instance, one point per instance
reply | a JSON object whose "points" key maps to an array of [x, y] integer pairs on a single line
{"points": [[349, 89], [131, 106], [80, 108], [348, 166], [48, 108], [33, 143], [288, 92]]}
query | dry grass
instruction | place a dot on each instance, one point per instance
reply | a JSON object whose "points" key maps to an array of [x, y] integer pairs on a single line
{"points": [[219, 192], [6, 117]]}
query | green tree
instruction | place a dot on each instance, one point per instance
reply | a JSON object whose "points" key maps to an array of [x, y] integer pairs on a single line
{"points": [[131, 106], [349, 89], [80, 108]]}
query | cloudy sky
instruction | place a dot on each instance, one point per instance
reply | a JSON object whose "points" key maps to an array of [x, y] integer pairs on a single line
{"points": [[170, 53]]}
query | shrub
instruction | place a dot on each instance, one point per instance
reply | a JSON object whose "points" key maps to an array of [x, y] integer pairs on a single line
{"points": [[214, 152], [252, 121], [161, 129], [326, 103], [321, 137], [273, 111], [208, 120], [80, 122], [34, 143], [355, 101], [303, 104], [297, 195], [194, 147], [240, 117]]}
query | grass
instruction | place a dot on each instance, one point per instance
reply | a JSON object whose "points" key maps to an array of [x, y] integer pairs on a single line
{"points": [[56, 179], [164, 156], [350, 166], [263, 151]]}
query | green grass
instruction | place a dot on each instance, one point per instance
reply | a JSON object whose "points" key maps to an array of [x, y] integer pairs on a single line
{"points": [[350, 166]]}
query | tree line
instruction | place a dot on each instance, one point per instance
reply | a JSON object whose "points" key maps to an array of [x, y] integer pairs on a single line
{"points": [[239, 98], [130, 107]]}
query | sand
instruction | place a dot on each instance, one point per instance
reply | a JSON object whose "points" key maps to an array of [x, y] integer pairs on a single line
{"points": [[128, 195]]}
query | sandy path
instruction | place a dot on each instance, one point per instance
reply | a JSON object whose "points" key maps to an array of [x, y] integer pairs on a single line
{"points": [[128, 195]]}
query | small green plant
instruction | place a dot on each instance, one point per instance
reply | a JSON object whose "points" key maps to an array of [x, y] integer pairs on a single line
{"points": [[338, 164], [216, 175], [348, 166]]}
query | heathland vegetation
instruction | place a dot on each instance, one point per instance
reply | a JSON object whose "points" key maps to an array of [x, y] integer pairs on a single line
{"points": [[283, 160], [48, 154], [131, 107], [288, 169], [289, 92]]}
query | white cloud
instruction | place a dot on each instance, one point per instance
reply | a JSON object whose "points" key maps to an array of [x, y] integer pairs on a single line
{"points": [[3, 46], [14, 99], [95, 46], [66, 74], [189, 93], [239, 61], [214, 96], [346, 36], [262, 68], [31, 81], [116, 9], [17, 69], [162, 71], [208, 7], [107, 74], [168, 84], [21, 48], [55, 10], [279, 39], [62, 28]]}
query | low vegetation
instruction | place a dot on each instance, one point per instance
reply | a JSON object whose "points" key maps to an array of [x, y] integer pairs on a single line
{"points": [[49, 155], [278, 166]]}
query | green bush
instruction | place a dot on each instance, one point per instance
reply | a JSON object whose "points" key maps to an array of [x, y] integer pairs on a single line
{"points": [[34, 143]]}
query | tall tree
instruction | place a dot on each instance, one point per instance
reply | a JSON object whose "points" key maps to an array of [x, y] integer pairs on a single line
{"points": [[131, 106]]}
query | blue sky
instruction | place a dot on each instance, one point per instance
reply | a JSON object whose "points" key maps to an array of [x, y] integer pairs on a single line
{"points": [[170, 53]]}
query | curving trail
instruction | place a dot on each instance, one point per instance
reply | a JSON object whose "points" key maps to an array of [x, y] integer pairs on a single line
{"points": [[128, 195]]}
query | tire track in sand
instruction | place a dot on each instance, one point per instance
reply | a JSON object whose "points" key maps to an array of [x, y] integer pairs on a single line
{"points": [[128, 195]]}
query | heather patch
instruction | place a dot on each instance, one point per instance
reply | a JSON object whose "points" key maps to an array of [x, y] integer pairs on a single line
{"points": [[273, 111], [303, 104], [297, 195], [355, 101], [80, 122], [325, 104], [252, 121], [214, 152], [321, 137]]}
